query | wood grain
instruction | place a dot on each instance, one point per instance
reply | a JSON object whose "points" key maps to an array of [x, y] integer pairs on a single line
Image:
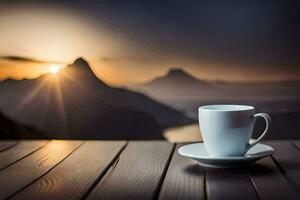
{"points": [[184, 179], [72, 178], [270, 183], [229, 184], [4, 145], [288, 158], [27, 170], [137, 174], [17, 152], [144, 170]]}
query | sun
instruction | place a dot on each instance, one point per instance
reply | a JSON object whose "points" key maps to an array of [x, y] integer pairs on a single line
{"points": [[54, 69]]}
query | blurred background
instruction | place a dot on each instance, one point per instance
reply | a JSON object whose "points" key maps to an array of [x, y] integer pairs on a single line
{"points": [[128, 69]]}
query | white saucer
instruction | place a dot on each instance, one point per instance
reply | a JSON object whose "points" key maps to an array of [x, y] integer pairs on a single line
{"points": [[198, 152]]}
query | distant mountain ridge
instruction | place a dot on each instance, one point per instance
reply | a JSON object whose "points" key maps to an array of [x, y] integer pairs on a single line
{"points": [[181, 73], [179, 84], [74, 103], [174, 75]]}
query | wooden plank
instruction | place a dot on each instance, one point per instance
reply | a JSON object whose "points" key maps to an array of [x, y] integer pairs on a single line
{"points": [[270, 183], [288, 158], [73, 177], [137, 174], [184, 179], [19, 151], [229, 184], [4, 145], [29, 169]]}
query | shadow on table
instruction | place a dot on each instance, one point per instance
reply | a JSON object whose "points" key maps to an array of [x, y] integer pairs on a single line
{"points": [[256, 169]]}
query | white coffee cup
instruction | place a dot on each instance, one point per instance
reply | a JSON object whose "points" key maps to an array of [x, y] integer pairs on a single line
{"points": [[227, 129]]}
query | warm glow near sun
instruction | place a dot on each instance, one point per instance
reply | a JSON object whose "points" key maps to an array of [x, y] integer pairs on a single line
{"points": [[54, 69]]}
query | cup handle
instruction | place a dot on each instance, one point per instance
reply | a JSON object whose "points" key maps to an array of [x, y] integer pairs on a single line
{"points": [[267, 119]]}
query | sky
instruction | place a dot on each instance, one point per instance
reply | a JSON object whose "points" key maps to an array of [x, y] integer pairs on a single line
{"points": [[130, 41]]}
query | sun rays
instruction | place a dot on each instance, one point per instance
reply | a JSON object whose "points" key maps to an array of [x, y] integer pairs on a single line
{"points": [[29, 97], [50, 91], [61, 105]]}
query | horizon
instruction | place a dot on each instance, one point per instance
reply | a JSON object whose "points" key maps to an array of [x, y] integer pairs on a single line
{"points": [[59, 66], [207, 39]]}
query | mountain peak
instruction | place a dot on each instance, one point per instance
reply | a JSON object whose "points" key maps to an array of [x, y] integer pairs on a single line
{"points": [[80, 61], [81, 70], [175, 75], [177, 71], [82, 65]]}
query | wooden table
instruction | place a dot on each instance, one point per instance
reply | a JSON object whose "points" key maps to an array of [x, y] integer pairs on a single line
{"points": [[61, 169]]}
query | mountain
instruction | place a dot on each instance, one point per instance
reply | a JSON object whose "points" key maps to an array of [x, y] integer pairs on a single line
{"points": [[178, 84], [75, 104], [9, 129], [175, 75]]}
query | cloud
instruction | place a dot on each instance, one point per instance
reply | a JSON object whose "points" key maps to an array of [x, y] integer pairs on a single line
{"points": [[25, 60]]}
